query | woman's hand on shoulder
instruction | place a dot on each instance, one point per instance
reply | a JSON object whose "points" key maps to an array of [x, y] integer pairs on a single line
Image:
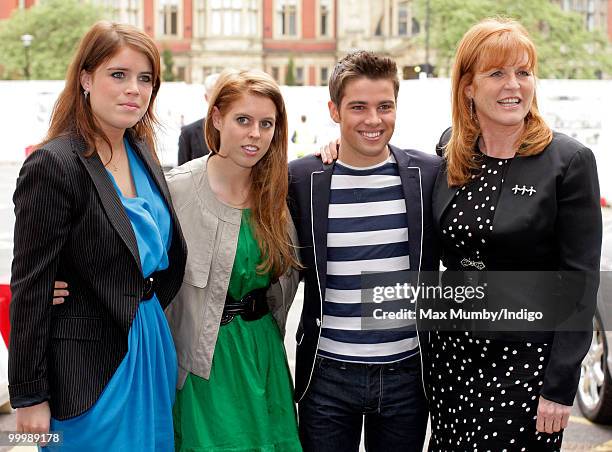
{"points": [[60, 291], [34, 419], [329, 152]]}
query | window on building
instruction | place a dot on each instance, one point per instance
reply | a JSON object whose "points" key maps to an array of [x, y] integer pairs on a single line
{"points": [[299, 76], [208, 70], [226, 17], [416, 26], [112, 6], [325, 17], [234, 17], [276, 74], [324, 76], [168, 17], [200, 19], [287, 17], [252, 18], [180, 74], [132, 12], [378, 18], [378, 30], [402, 18]]}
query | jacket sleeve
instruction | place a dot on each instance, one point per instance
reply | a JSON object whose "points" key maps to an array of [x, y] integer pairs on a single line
{"points": [[443, 141], [43, 203], [579, 235], [184, 148]]}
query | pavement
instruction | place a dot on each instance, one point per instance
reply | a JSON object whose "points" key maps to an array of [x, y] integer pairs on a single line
{"points": [[581, 435]]}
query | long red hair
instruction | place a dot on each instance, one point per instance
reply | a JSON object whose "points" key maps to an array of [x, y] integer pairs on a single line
{"points": [[72, 113], [269, 181]]}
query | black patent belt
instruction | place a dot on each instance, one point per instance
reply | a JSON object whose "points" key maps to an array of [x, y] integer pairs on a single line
{"points": [[253, 306], [149, 288]]}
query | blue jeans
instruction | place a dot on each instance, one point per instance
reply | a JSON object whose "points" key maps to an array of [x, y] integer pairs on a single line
{"points": [[341, 394]]}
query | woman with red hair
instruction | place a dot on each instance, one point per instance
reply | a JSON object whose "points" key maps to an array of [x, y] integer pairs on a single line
{"points": [[516, 197]]}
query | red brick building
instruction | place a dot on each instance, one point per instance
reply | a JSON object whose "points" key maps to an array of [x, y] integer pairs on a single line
{"points": [[303, 31], [207, 36]]}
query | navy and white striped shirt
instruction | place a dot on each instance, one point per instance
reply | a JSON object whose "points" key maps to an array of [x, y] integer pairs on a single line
{"points": [[367, 232]]}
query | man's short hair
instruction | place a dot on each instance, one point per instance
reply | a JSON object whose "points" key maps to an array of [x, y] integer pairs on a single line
{"points": [[361, 64]]}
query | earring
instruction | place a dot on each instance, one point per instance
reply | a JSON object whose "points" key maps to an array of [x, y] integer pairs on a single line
{"points": [[86, 94], [472, 108]]}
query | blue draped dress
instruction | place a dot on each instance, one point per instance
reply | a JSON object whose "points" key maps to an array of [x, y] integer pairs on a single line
{"points": [[134, 412]]}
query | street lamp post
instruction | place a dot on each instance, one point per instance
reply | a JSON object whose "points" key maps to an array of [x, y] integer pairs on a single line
{"points": [[27, 42], [427, 14]]}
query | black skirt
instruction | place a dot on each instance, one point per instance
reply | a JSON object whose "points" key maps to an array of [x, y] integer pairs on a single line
{"points": [[483, 394]]}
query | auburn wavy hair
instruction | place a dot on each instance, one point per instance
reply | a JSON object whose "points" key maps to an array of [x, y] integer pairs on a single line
{"points": [[269, 181], [493, 42], [72, 113]]}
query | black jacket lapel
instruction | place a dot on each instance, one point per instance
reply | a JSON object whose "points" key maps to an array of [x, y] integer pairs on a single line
{"points": [[442, 196], [411, 185], [319, 203], [108, 197]]}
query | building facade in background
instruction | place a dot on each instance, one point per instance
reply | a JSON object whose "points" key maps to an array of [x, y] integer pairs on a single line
{"points": [[309, 36], [594, 12]]}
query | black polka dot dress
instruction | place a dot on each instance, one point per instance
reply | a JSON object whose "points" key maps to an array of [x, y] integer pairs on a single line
{"points": [[483, 392]]}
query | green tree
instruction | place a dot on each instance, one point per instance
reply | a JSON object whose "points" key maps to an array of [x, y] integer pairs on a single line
{"points": [[565, 48], [168, 60], [290, 77], [57, 26]]}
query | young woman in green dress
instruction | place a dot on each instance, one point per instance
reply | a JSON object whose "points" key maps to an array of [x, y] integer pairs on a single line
{"points": [[234, 386]]}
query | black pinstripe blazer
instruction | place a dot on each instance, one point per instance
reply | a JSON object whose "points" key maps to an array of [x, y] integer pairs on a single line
{"points": [[71, 226]]}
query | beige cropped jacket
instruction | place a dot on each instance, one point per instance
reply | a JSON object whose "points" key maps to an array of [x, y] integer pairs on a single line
{"points": [[211, 231]]}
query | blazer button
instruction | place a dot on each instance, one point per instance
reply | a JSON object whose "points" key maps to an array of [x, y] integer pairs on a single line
{"points": [[318, 322]]}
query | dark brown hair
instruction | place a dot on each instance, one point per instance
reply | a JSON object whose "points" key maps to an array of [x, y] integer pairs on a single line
{"points": [[361, 64], [72, 112]]}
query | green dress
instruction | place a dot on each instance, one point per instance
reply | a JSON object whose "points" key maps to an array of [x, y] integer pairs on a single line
{"points": [[247, 403]]}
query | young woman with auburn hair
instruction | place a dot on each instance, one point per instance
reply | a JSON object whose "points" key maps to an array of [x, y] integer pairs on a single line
{"points": [[512, 197], [93, 210], [234, 388]]}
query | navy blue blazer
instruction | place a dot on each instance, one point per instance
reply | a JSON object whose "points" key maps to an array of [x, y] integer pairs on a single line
{"points": [[309, 192]]}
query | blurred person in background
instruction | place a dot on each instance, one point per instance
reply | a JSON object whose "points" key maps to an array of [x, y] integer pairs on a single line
{"points": [[192, 144], [93, 210], [303, 138]]}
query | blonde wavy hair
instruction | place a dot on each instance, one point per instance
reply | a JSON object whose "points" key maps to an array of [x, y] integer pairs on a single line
{"points": [[269, 181], [493, 42]]}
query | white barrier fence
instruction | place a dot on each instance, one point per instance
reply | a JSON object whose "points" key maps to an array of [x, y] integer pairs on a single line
{"points": [[579, 108]]}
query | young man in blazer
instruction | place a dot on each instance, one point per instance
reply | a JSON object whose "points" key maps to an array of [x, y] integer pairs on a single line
{"points": [[370, 211]]}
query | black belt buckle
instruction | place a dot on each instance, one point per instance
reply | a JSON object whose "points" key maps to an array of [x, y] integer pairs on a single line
{"points": [[251, 311], [149, 288], [226, 318], [252, 306]]}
